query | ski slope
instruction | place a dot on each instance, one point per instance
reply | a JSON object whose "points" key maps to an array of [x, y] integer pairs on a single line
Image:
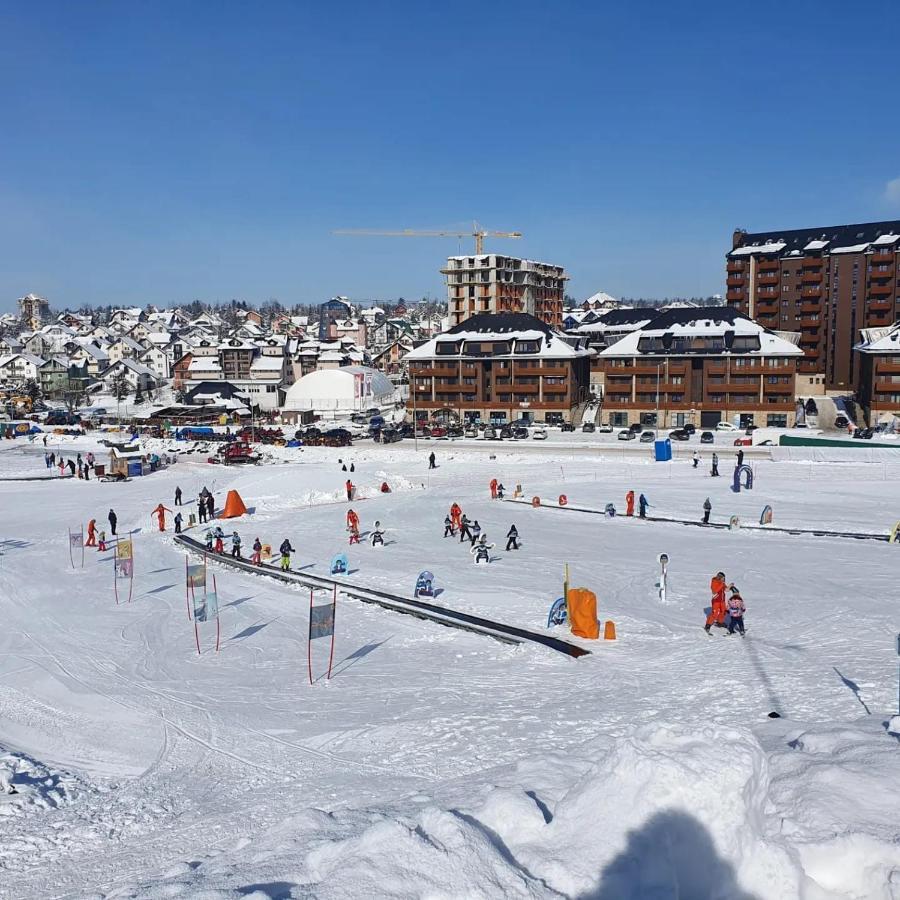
{"points": [[438, 762]]}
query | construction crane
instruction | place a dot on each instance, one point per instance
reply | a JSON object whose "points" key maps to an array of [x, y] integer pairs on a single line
{"points": [[477, 232]]}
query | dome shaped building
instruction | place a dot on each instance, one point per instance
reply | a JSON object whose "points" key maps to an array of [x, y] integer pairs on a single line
{"points": [[338, 393]]}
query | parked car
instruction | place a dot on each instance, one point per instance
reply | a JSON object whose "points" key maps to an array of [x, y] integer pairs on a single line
{"points": [[626, 434], [390, 436], [438, 431], [605, 429], [373, 411], [423, 434], [635, 428], [648, 437], [689, 429], [539, 434], [679, 434], [567, 426], [490, 433], [359, 419], [707, 438], [743, 442], [589, 428], [454, 431], [520, 433], [472, 431], [725, 426]]}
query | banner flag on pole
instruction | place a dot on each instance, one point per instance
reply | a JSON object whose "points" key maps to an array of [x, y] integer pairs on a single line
{"points": [[196, 575], [123, 566], [76, 543], [200, 609], [321, 621]]}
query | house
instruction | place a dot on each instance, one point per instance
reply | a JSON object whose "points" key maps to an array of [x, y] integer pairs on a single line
{"points": [[180, 371], [54, 378], [10, 344], [124, 347], [19, 367], [96, 359], [138, 376], [158, 360], [389, 359]]}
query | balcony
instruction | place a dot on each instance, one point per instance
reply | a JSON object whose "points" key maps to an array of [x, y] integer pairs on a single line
{"points": [[768, 265], [880, 306], [769, 278], [735, 265], [447, 388], [887, 368], [734, 280], [881, 290], [556, 388], [811, 276], [811, 292], [735, 296], [525, 388], [881, 257]]}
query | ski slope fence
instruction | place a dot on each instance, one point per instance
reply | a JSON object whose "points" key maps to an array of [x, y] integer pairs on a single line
{"points": [[815, 532], [443, 615]]}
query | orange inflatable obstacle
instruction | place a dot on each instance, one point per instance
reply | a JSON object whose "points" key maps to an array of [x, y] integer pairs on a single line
{"points": [[609, 631], [582, 605], [234, 506]]}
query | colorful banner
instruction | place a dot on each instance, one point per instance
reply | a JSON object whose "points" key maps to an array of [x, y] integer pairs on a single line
{"points": [[200, 609], [321, 621], [212, 603], [196, 575], [123, 566]]}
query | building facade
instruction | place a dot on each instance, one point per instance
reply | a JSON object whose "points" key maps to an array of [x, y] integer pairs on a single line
{"points": [[33, 311], [879, 378], [828, 283], [700, 367], [491, 283], [499, 368]]}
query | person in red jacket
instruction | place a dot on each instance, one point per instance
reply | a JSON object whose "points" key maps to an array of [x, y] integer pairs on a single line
{"points": [[160, 512], [629, 503], [92, 534], [717, 612], [493, 489]]}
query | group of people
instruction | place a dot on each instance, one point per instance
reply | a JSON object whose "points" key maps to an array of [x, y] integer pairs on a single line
{"points": [[714, 470], [643, 503], [732, 607], [82, 467], [497, 489], [456, 521]]}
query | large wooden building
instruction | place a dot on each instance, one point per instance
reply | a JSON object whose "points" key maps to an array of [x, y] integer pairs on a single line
{"points": [[499, 368], [699, 366]]}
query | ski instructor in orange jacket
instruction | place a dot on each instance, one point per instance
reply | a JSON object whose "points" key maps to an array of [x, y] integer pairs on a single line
{"points": [[717, 613]]}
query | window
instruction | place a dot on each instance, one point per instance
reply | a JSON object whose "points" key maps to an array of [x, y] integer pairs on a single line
{"points": [[776, 420], [618, 420]]}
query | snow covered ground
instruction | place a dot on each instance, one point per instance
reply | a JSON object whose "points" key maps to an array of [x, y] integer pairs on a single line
{"points": [[438, 763]]}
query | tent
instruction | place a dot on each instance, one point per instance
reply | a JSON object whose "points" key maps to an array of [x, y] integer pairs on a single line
{"points": [[234, 506]]}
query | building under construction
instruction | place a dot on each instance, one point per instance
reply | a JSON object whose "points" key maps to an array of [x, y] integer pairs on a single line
{"points": [[492, 283]]}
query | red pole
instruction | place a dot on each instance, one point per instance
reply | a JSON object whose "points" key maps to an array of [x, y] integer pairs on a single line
{"points": [[309, 637], [197, 636], [333, 613]]}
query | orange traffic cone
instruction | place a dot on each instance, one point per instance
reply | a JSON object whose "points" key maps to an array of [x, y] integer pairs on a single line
{"points": [[609, 630], [234, 506]]}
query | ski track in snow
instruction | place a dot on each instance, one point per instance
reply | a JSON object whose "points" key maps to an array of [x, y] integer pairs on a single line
{"points": [[436, 762]]}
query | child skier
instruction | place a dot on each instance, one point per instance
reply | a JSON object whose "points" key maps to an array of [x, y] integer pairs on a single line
{"points": [[286, 550], [464, 528], [512, 538], [219, 535], [256, 558], [642, 506], [235, 545], [354, 534], [377, 535], [476, 531], [707, 509], [736, 610], [448, 526], [500, 490], [178, 520], [482, 550], [101, 546], [209, 536]]}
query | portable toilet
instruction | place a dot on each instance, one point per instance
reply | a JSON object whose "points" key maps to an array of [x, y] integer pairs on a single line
{"points": [[135, 468], [663, 450]]}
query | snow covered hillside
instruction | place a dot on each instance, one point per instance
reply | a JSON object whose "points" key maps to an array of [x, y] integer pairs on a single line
{"points": [[439, 763]]}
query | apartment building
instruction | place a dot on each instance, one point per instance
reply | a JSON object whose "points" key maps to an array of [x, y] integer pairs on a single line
{"points": [[491, 283], [33, 311], [700, 366], [828, 283], [499, 368], [879, 376]]}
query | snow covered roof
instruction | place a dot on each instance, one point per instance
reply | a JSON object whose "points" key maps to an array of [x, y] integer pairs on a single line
{"points": [[205, 364], [773, 247], [817, 245], [603, 298], [886, 239], [267, 364], [880, 340], [27, 357], [347, 387], [854, 248]]}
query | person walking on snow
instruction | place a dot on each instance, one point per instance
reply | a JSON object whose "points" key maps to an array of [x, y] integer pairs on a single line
{"points": [[707, 509], [352, 520], [715, 466], [235, 545], [476, 531], [178, 496], [736, 610], [512, 538], [91, 535], [493, 487], [717, 607], [629, 503], [464, 528], [256, 558], [178, 521], [112, 522], [160, 513], [432, 464], [455, 514], [349, 486], [286, 550], [210, 507], [642, 506]]}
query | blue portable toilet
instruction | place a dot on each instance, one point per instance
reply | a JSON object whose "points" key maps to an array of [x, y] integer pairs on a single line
{"points": [[135, 468], [662, 450]]}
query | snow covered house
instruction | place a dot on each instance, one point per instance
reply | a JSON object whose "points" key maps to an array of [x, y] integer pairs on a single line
{"points": [[499, 368], [700, 366], [136, 375], [20, 367]]}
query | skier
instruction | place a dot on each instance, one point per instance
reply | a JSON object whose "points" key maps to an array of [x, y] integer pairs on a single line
{"points": [[448, 527], [178, 521], [717, 607], [201, 508], [161, 516], [62, 466], [80, 469], [210, 507], [256, 558], [609, 511], [455, 514], [286, 550], [377, 535], [736, 610], [464, 528], [740, 458], [349, 486], [52, 460], [91, 536], [512, 538], [354, 534], [500, 490], [431, 461], [235, 545], [629, 503], [707, 509], [87, 473], [696, 458], [482, 550], [112, 522], [72, 466], [178, 496], [352, 520], [715, 466], [344, 468], [209, 535], [476, 531], [352, 467], [493, 488], [642, 506], [219, 535]]}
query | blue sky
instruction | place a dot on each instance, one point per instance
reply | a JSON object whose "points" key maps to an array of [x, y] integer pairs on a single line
{"points": [[162, 152]]}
